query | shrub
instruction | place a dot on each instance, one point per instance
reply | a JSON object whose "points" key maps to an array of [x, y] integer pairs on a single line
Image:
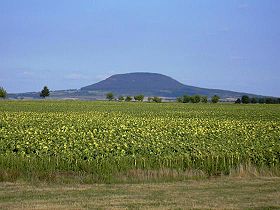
{"points": [[3, 93], [215, 99]]}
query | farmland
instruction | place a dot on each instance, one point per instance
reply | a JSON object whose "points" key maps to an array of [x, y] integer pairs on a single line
{"points": [[103, 141]]}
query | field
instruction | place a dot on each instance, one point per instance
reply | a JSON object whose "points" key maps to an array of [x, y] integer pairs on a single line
{"points": [[222, 193], [110, 142]]}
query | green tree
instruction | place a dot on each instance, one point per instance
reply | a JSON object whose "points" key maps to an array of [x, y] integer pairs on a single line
{"points": [[150, 99], [110, 96], [215, 99], [186, 99], [269, 100], [204, 99], [139, 98], [195, 99], [254, 100], [245, 99], [238, 101], [179, 99], [3, 93], [261, 100], [121, 98], [45, 92], [128, 98], [157, 99]]}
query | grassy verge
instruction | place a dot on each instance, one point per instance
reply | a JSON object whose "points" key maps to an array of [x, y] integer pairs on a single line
{"points": [[215, 193], [123, 170]]}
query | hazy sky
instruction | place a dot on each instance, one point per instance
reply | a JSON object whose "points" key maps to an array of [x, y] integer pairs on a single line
{"points": [[65, 44]]}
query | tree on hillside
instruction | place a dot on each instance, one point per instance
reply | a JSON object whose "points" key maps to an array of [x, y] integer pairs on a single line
{"points": [[245, 99], [139, 98], [215, 99], [110, 96], [45, 92], [128, 98], [3, 93]]}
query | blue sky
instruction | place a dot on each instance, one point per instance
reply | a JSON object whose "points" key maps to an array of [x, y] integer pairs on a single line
{"points": [[65, 44]]}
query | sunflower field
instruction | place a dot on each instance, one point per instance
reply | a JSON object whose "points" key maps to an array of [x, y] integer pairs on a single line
{"points": [[109, 137]]}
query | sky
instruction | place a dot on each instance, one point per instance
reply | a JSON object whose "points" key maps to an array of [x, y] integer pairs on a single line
{"points": [[68, 44]]}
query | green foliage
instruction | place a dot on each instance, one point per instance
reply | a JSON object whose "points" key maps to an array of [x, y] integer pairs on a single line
{"points": [[139, 98], [238, 101], [128, 98], [3, 93], [179, 99], [270, 100], [215, 99], [110, 96], [195, 98], [157, 99], [186, 99], [261, 100], [45, 92], [121, 98], [204, 99], [254, 100], [245, 99]]}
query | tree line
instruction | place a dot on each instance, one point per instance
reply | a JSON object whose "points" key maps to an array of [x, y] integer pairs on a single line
{"points": [[197, 99], [110, 96], [254, 100]]}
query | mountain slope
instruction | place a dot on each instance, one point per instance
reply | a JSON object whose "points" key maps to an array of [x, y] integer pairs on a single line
{"points": [[153, 84]]}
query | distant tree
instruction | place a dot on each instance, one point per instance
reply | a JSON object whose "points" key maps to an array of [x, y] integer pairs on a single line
{"points": [[238, 101], [204, 99], [179, 99], [121, 98], [157, 99], [45, 92], [261, 100], [195, 99], [245, 99], [3, 93], [254, 100], [128, 98], [139, 98], [186, 99], [215, 99], [269, 100], [278, 100], [150, 99], [110, 96]]}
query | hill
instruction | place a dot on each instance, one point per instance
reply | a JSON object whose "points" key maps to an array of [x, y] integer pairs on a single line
{"points": [[153, 84], [149, 84]]}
